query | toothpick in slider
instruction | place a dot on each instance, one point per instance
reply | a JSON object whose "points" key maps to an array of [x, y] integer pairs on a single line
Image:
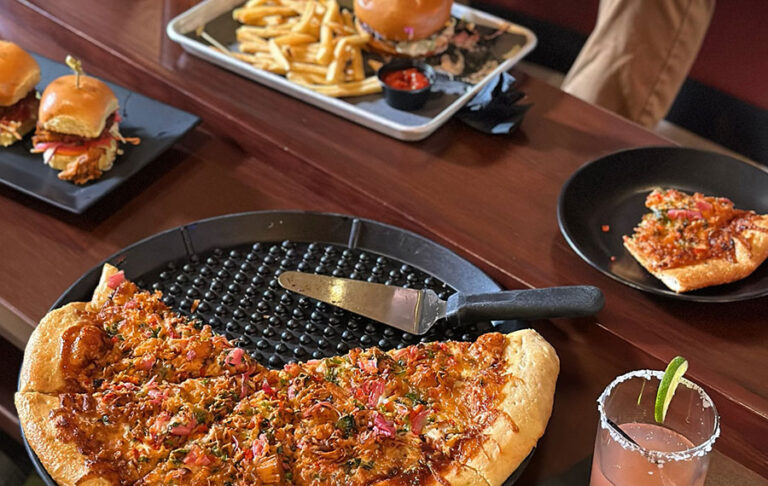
{"points": [[76, 66]]}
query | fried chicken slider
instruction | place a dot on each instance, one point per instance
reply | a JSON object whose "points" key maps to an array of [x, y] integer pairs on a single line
{"points": [[19, 73], [406, 28], [77, 131]]}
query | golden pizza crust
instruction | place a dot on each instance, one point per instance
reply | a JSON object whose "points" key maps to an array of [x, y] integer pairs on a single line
{"points": [[41, 370], [713, 271], [526, 405], [66, 465], [102, 292]]}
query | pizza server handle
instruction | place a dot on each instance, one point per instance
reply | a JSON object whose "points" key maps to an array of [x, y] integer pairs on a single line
{"points": [[529, 304]]}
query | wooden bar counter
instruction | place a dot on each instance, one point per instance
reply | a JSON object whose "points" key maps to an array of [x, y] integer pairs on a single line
{"points": [[491, 199]]}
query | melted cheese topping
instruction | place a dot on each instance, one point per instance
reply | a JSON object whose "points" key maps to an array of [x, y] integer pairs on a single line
{"points": [[168, 402], [134, 338]]}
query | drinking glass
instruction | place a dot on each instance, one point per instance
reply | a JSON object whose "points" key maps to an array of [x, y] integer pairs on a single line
{"points": [[675, 453]]}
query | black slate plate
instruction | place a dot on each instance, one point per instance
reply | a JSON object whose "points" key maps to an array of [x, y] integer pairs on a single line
{"points": [[612, 190], [231, 264], [158, 125]]}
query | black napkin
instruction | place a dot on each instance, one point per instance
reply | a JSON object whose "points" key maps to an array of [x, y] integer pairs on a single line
{"points": [[494, 109]]}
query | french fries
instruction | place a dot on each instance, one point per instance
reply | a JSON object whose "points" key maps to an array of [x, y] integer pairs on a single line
{"points": [[250, 47], [252, 15], [358, 70], [306, 67], [278, 56], [353, 88], [314, 43]]}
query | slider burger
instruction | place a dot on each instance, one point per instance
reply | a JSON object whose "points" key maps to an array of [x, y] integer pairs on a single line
{"points": [[406, 28], [77, 129], [19, 73]]}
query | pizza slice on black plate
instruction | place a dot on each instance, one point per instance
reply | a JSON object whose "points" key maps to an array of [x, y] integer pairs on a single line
{"points": [[690, 242]]}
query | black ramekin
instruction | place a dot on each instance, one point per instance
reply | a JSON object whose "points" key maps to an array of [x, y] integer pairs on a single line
{"points": [[406, 99]]}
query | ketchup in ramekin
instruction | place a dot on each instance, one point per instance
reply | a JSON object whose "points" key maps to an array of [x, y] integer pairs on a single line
{"points": [[406, 83], [408, 79]]}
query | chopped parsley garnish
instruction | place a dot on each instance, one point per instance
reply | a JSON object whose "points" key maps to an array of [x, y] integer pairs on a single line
{"points": [[347, 425], [331, 375], [112, 328], [219, 453], [415, 398], [177, 455], [200, 416], [353, 464]]}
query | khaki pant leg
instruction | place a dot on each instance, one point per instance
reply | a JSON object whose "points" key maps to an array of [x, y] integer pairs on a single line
{"points": [[638, 56]]}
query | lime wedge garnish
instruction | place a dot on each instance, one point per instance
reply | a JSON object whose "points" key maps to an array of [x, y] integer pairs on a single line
{"points": [[675, 370]]}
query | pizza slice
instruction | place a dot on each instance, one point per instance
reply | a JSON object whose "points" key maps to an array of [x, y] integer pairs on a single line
{"points": [[119, 434], [123, 335], [694, 241], [253, 445], [436, 413], [439, 413]]}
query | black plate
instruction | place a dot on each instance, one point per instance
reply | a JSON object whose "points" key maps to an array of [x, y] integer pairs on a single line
{"points": [[612, 190], [158, 125], [231, 264]]}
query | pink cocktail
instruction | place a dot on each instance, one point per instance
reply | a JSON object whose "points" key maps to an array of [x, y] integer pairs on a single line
{"points": [[675, 453]]}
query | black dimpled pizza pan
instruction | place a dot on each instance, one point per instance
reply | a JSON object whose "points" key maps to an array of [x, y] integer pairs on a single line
{"points": [[229, 265]]}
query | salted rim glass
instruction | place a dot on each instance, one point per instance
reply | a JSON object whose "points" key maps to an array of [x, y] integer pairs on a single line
{"points": [[659, 457]]}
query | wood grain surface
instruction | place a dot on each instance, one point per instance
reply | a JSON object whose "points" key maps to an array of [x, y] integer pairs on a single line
{"points": [[490, 199]]}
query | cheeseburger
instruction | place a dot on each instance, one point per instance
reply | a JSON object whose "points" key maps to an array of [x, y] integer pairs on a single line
{"points": [[77, 128], [19, 73], [406, 28]]}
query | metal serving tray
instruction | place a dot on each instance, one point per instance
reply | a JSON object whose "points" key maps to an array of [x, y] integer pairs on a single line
{"points": [[370, 111]]}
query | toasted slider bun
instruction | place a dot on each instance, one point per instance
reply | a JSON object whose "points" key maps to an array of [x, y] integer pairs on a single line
{"points": [[8, 138], [59, 162], [19, 73], [404, 20], [83, 111]]}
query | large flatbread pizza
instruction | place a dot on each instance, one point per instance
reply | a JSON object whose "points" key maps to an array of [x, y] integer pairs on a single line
{"points": [[121, 390], [694, 241]]}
